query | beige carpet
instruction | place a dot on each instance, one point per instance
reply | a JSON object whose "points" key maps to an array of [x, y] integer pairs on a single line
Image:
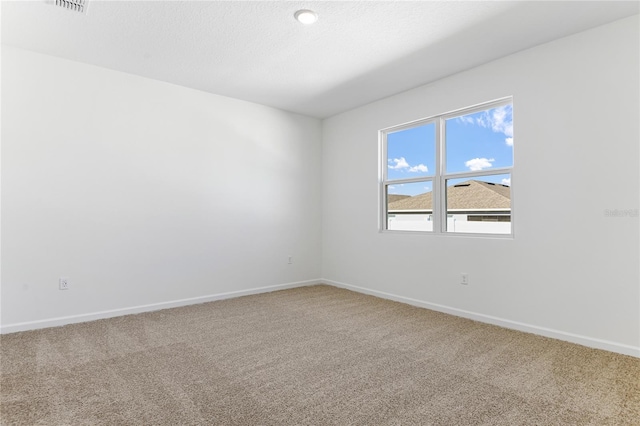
{"points": [[308, 356]]}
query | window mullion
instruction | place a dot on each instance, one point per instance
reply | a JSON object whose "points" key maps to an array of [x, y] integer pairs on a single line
{"points": [[409, 180], [437, 179], [486, 172]]}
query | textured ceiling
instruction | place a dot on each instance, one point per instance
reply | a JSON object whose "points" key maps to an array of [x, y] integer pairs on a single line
{"points": [[357, 52]]}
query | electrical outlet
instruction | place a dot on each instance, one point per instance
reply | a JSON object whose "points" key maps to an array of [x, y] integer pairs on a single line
{"points": [[290, 261], [464, 278], [63, 283]]}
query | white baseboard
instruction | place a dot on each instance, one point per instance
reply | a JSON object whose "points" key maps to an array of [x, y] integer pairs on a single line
{"points": [[55, 322], [515, 325]]}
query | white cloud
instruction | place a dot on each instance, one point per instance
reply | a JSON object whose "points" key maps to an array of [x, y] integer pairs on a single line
{"points": [[400, 163], [419, 168], [466, 119], [509, 141], [479, 163], [500, 121], [506, 181]]}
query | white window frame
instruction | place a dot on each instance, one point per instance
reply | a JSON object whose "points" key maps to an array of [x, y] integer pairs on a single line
{"points": [[440, 177]]}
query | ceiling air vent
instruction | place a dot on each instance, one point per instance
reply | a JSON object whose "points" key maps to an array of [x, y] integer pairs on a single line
{"points": [[73, 5]]}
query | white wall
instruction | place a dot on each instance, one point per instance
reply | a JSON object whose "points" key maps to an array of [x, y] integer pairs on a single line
{"points": [[570, 271], [142, 192]]}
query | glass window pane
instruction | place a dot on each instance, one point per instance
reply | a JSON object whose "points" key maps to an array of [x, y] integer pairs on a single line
{"points": [[410, 206], [480, 141], [479, 204], [411, 152]]}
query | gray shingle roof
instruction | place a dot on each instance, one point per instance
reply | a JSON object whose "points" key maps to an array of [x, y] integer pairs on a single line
{"points": [[396, 197], [468, 195]]}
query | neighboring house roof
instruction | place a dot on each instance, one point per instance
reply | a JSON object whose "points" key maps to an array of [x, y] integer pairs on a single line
{"points": [[468, 195], [396, 197]]}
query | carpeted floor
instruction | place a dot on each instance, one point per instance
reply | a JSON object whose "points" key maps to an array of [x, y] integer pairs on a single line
{"points": [[308, 356]]}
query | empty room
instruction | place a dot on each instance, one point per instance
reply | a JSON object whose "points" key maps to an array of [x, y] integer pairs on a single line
{"points": [[320, 213]]}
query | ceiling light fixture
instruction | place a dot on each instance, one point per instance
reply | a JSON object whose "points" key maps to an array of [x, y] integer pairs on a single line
{"points": [[306, 17]]}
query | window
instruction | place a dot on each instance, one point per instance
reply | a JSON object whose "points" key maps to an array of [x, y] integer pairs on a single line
{"points": [[450, 173]]}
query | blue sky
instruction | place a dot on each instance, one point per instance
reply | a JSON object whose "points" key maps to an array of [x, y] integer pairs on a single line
{"points": [[474, 142]]}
